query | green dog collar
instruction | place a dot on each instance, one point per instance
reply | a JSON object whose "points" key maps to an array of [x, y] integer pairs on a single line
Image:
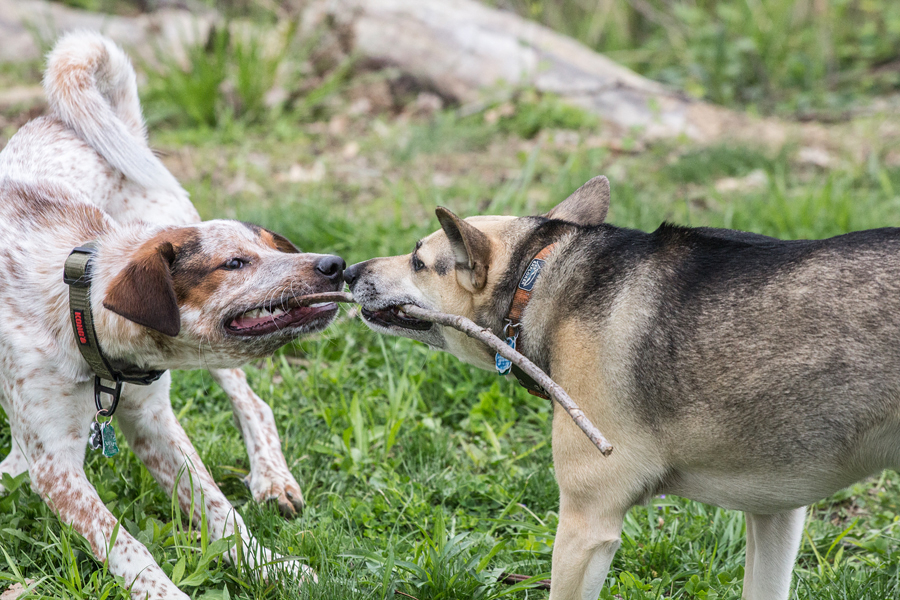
{"points": [[77, 275]]}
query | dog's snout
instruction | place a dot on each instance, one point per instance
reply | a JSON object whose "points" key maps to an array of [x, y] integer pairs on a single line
{"points": [[352, 274], [331, 267]]}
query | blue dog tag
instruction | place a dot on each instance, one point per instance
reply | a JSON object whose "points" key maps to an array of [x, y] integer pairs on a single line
{"points": [[504, 364]]}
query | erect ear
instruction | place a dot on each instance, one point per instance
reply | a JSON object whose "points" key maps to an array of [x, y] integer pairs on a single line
{"points": [[284, 244], [143, 292], [586, 206], [471, 247]]}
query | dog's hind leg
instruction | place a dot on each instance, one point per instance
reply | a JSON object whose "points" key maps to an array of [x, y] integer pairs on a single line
{"points": [[270, 478], [154, 434], [772, 544]]}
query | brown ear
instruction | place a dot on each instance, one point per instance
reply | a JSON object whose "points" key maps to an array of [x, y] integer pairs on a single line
{"points": [[284, 244], [471, 247], [143, 292], [586, 206]]}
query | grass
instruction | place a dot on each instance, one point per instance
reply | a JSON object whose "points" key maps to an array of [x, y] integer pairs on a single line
{"points": [[422, 475]]}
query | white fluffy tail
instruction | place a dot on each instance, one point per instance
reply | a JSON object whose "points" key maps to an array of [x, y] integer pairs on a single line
{"points": [[91, 87]]}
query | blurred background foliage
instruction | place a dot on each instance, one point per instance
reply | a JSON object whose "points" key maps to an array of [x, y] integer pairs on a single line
{"points": [[811, 59], [773, 56]]}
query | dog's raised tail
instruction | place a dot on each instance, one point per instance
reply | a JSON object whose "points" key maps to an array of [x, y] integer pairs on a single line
{"points": [[92, 88]]}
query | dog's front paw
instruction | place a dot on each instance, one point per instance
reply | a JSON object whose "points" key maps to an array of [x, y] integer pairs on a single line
{"points": [[276, 485]]}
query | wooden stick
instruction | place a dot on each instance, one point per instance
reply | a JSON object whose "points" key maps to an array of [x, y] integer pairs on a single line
{"points": [[324, 297], [513, 578], [487, 337]]}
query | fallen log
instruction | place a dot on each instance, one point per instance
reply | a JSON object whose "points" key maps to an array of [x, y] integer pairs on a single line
{"points": [[463, 49], [28, 28]]}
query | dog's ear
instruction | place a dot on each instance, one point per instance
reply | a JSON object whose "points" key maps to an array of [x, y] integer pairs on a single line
{"points": [[143, 291], [471, 247], [586, 206], [283, 244]]}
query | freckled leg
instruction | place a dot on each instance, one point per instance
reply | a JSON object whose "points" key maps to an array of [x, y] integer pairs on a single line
{"points": [[152, 431], [55, 449], [270, 478], [772, 544]]}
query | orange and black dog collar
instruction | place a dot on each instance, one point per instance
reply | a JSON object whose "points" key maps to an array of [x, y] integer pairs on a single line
{"points": [[513, 322]]}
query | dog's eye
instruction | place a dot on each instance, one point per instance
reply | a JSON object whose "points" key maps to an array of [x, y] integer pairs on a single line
{"points": [[233, 264], [417, 264]]}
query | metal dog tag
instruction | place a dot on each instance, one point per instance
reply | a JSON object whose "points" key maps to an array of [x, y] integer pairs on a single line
{"points": [[110, 448], [504, 364], [95, 440]]}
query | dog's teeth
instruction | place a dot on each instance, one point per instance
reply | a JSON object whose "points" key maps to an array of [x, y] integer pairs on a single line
{"points": [[277, 311], [252, 314], [400, 313], [318, 304]]}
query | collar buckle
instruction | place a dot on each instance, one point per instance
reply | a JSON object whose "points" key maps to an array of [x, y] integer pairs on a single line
{"points": [[77, 272]]}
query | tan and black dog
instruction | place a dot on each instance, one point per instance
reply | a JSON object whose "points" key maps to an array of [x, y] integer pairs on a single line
{"points": [[743, 371]]}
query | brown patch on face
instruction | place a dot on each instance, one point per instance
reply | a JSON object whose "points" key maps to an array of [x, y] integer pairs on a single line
{"points": [[143, 291], [195, 274]]}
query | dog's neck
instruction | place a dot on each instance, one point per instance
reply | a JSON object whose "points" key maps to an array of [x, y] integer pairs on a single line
{"points": [[513, 321], [122, 341], [531, 330]]}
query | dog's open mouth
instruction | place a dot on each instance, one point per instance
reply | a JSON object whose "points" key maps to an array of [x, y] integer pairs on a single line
{"points": [[263, 320], [393, 316]]}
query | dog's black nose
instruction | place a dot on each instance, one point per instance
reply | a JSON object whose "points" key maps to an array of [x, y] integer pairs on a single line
{"points": [[332, 267], [352, 273]]}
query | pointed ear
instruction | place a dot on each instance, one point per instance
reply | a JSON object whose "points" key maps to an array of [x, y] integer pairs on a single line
{"points": [[283, 244], [586, 206], [143, 292], [471, 247]]}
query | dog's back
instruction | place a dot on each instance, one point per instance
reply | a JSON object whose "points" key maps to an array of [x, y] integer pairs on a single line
{"points": [[749, 350]]}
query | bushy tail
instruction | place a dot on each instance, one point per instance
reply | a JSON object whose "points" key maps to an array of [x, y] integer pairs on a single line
{"points": [[91, 87]]}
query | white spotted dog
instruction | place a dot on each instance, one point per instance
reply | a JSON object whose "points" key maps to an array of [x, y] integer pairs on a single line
{"points": [[91, 86], [165, 292], [92, 89]]}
